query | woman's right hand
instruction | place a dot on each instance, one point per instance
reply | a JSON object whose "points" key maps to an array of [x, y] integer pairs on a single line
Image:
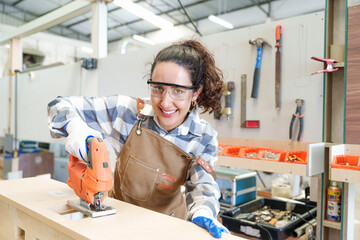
{"points": [[78, 133]]}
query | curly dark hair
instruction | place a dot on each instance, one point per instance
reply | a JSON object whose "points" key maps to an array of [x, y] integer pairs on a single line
{"points": [[200, 63]]}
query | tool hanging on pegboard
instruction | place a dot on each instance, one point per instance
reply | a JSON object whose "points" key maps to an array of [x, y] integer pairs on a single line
{"points": [[278, 47], [246, 123], [297, 114], [259, 43], [228, 87]]}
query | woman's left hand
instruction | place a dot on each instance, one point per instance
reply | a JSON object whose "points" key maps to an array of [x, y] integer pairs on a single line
{"points": [[204, 220]]}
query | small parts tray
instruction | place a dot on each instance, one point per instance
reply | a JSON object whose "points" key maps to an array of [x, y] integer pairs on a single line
{"points": [[299, 157], [231, 151], [272, 155], [221, 149], [346, 162], [251, 152]]}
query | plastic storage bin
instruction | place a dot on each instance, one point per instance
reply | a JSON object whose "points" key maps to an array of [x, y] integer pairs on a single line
{"points": [[299, 157], [231, 151], [221, 148], [281, 155], [265, 231], [346, 162], [248, 150]]}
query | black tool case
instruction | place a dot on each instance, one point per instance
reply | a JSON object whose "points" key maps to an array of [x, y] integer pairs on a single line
{"points": [[262, 230]]}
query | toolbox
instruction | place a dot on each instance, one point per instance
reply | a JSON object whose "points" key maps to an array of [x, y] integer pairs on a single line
{"points": [[238, 220], [237, 186]]}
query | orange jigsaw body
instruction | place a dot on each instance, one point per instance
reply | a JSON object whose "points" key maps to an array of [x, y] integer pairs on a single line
{"points": [[88, 179]]}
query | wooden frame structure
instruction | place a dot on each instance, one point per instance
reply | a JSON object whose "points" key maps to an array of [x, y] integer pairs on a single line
{"points": [[336, 122], [35, 208]]}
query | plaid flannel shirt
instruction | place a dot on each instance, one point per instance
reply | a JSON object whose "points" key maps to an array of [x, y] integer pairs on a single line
{"points": [[115, 116]]}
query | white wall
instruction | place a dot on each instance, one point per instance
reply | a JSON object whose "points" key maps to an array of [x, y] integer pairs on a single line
{"points": [[124, 74], [302, 39]]}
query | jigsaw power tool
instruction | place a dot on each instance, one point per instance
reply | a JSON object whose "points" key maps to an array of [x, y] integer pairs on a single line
{"points": [[92, 180]]}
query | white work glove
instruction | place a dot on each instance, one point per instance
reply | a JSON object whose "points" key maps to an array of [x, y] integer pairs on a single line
{"points": [[78, 132], [205, 220]]}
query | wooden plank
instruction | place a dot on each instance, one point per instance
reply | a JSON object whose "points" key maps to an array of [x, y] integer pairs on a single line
{"points": [[263, 165], [352, 127], [352, 149], [345, 175], [267, 143], [348, 210], [335, 225], [34, 205]]}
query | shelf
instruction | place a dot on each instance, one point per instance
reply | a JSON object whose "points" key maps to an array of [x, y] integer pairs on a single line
{"points": [[314, 166], [329, 224], [263, 165], [344, 175]]}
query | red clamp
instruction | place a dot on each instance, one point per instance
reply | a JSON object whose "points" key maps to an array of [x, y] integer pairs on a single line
{"points": [[329, 64]]}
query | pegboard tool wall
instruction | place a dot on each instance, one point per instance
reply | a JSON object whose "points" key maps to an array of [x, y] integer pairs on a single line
{"points": [[126, 74], [303, 37]]}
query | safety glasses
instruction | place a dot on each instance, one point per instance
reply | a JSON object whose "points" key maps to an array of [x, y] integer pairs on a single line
{"points": [[176, 92]]}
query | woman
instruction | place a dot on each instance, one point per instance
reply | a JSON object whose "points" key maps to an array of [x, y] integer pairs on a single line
{"points": [[161, 144]]}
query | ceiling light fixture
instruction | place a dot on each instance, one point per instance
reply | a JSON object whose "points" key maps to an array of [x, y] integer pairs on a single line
{"points": [[220, 22], [87, 49], [144, 40], [143, 13]]}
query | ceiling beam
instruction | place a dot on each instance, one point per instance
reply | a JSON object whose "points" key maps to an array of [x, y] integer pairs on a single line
{"points": [[139, 20], [68, 11], [17, 2], [185, 22], [167, 12], [26, 16], [258, 4]]}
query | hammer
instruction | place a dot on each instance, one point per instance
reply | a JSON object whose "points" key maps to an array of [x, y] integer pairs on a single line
{"points": [[259, 42]]}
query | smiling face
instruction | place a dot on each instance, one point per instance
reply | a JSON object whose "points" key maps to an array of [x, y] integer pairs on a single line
{"points": [[172, 113]]}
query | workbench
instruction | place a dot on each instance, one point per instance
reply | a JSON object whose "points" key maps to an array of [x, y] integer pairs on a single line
{"points": [[35, 208]]}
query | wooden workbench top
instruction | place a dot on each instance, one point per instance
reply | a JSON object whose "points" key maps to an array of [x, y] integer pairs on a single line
{"points": [[44, 199]]}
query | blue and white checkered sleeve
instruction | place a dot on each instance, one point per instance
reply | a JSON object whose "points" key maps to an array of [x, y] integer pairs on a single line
{"points": [[99, 112], [202, 191]]}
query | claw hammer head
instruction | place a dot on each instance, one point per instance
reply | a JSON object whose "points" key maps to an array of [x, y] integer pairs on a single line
{"points": [[259, 42]]}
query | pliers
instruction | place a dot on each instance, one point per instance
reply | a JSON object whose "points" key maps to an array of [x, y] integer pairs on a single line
{"points": [[299, 103]]}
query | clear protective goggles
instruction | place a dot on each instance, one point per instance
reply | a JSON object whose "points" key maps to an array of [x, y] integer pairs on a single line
{"points": [[176, 92]]}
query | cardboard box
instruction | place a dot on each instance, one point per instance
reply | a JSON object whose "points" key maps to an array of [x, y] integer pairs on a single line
{"points": [[34, 164]]}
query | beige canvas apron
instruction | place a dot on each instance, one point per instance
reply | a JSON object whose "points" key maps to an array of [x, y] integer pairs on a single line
{"points": [[151, 170]]}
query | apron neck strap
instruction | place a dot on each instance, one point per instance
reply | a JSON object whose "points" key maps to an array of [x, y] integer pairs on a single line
{"points": [[140, 106]]}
